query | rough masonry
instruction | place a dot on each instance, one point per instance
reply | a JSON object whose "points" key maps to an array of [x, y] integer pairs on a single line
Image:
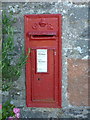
{"points": [[75, 42]]}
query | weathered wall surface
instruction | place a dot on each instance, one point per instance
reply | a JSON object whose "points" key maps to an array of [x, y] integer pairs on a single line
{"points": [[0, 54], [74, 1], [75, 49]]}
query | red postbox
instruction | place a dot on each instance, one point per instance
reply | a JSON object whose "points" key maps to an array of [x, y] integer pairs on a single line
{"points": [[43, 67]]}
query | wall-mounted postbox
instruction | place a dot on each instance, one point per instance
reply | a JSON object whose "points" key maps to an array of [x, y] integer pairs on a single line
{"points": [[43, 67]]}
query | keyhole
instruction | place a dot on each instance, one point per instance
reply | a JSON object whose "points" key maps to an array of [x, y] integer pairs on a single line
{"points": [[38, 78]]}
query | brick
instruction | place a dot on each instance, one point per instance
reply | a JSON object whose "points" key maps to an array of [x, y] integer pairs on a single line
{"points": [[78, 82]]}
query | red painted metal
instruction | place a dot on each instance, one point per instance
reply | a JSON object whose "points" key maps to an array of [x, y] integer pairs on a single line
{"points": [[43, 89]]}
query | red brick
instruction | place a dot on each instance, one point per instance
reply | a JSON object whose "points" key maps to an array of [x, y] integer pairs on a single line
{"points": [[78, 82]]}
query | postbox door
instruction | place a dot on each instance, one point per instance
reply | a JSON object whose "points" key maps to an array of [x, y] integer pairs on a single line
{"points": [[44, 77]]}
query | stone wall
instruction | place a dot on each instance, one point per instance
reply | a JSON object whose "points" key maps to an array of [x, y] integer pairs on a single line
{"points": [[75, 56], [0, 54], [73, 1]]}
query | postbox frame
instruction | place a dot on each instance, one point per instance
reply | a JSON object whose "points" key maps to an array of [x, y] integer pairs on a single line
{"points": [[29, 102]]}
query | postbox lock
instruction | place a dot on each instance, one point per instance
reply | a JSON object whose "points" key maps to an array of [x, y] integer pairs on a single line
{"points": [[38, 78]]}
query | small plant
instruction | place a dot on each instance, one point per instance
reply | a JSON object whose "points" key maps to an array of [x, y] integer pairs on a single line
{"points": [[9, 111], [0, 111], [10, 72]]}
